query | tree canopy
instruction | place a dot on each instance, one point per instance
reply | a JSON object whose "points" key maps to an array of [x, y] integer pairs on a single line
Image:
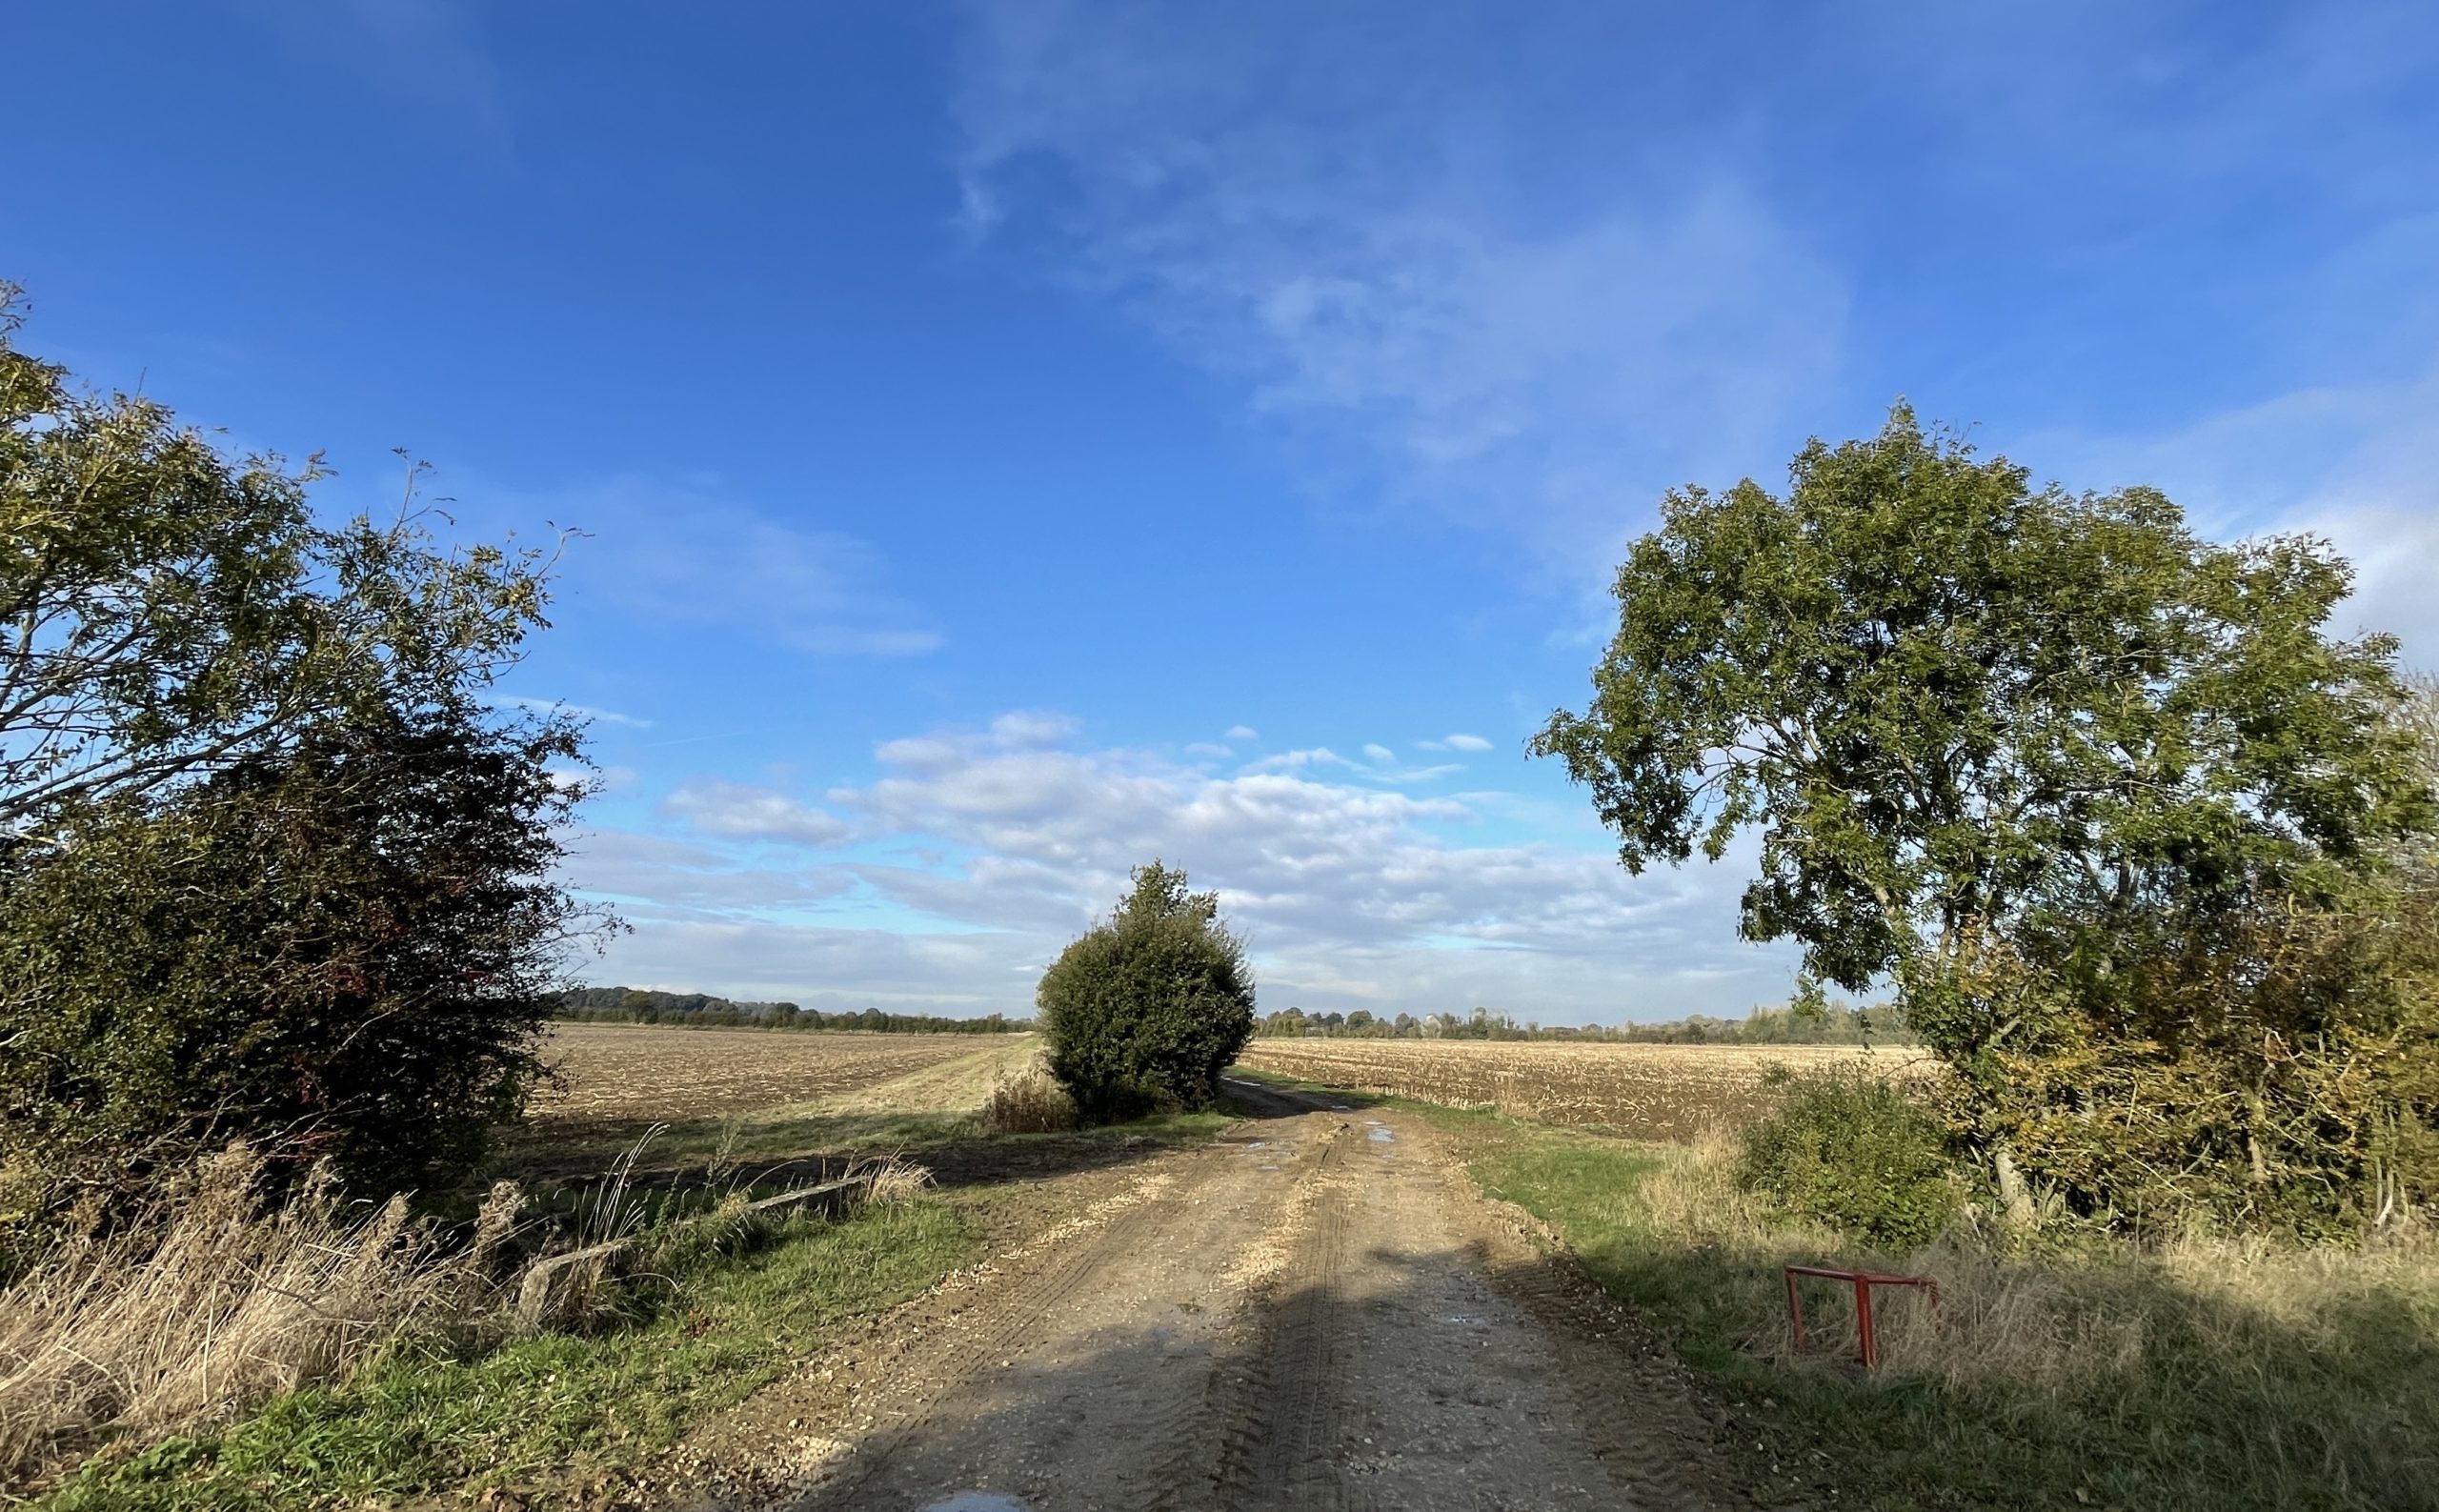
{"points": [[1945, 698], [167, 612], [274, 865], [2108, 803]]}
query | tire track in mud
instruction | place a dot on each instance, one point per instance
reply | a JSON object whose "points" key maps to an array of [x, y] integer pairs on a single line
{"points": [[1282, 1403], [991, 1333], [1309, 1313], [1664, 1453]]}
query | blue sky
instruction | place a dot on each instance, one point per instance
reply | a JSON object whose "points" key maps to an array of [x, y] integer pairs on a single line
{"points": [[1018, 441]]}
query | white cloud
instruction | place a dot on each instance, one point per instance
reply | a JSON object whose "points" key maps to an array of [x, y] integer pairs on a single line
{"points": [[1379, 755], [2355, 464], [659, 880], [1456, 742], [986, 850], [1239, 732], [739, 812]]}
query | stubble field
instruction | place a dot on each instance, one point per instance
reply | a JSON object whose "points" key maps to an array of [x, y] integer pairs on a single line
{"points": [[628, 1072], [1655, 1092]]}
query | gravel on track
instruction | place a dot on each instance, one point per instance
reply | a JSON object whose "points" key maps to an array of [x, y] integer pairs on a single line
{"points": [[1318, 1310]]}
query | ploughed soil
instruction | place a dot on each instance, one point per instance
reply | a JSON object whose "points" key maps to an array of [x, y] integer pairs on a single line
{"points": [[1318, 1310]]}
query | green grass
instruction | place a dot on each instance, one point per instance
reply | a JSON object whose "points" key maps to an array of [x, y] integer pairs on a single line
{"points": [[557, 1412], [554, 1409], [2304, 1384]]}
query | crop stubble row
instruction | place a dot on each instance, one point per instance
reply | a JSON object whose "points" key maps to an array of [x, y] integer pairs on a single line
{"points": [[622, 1072], [1661, 1092]]}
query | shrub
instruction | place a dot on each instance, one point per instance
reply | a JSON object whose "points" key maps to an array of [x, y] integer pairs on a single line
{"points": [[1855, 1151], [1145, 1010], [347, 950]]}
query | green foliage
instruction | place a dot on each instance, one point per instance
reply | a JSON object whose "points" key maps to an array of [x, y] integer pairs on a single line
{"points": [[344, 949], [1146, 1010], [1855, 1151], [170, 611], [1947, 699], [271, 865], [2071, 777], [2080, 1375], [641, 1005], [1813, 1021]]}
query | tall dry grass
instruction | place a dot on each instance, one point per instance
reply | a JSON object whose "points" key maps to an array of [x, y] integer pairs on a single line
{"points": [[2045, 1318], [221, 1297], [1030, 1101], [217, 1300]]}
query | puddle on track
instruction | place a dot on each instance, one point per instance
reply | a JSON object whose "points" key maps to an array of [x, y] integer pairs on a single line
{"points": [[976, 1501]]}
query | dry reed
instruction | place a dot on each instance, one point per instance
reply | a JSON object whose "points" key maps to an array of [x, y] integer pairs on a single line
{"points": [[218, 1299], [1029, 1102]]}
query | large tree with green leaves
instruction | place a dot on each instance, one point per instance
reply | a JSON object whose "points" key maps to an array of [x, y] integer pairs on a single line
{"points": [[167, 611], [273, 864], [1979, 723]]}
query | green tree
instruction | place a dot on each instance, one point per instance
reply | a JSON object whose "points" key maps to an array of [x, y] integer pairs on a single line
{"points": [[345, 948], [2006, 746], [166, 612], [1148, 1008], [271, 863], [1947, 699]]}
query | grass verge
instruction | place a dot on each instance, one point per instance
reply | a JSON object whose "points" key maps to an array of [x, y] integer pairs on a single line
{"points": [[2202, 1374], [573, 1415]]}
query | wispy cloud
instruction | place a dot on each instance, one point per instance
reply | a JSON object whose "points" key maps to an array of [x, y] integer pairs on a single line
{"points": [[562, 706], [982, 851], [681, 554], [2357, 464], [1329, 235], [1455, 743], [429, 54]]}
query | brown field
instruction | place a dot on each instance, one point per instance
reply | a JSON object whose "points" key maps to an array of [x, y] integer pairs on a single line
{"points": [[627, 1073], [1658, 1091]]}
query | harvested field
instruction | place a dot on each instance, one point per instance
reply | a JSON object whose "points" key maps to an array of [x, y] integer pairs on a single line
{"points": [[627, 1073], [1656, 1092]]}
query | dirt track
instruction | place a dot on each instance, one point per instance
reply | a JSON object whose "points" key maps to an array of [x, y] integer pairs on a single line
{"points": [[1314, 1311]]}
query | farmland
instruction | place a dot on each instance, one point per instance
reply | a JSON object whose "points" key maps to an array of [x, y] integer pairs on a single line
{"points": [[1657, 1092], [765, 1096], [626, 1072]]}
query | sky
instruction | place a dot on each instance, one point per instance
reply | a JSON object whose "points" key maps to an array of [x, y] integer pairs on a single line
{"points": [[1012, 443]]}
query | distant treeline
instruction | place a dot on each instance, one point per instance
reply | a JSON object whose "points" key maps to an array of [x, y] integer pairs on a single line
{"points": [[637, 1006], [1797, 1024]]}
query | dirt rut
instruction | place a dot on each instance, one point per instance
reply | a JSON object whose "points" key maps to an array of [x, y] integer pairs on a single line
{"points": [[1315, 1312]]}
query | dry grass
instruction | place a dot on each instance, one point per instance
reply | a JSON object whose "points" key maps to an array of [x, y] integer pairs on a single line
{"points": [[1657, 1092], [2200, 1372], [2050, 1320], [1029, 1102], [962, 1085], [217, 1302]]}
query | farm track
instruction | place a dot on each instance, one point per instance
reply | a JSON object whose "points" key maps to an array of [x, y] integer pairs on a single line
{"points": [[1316, 1311]]}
